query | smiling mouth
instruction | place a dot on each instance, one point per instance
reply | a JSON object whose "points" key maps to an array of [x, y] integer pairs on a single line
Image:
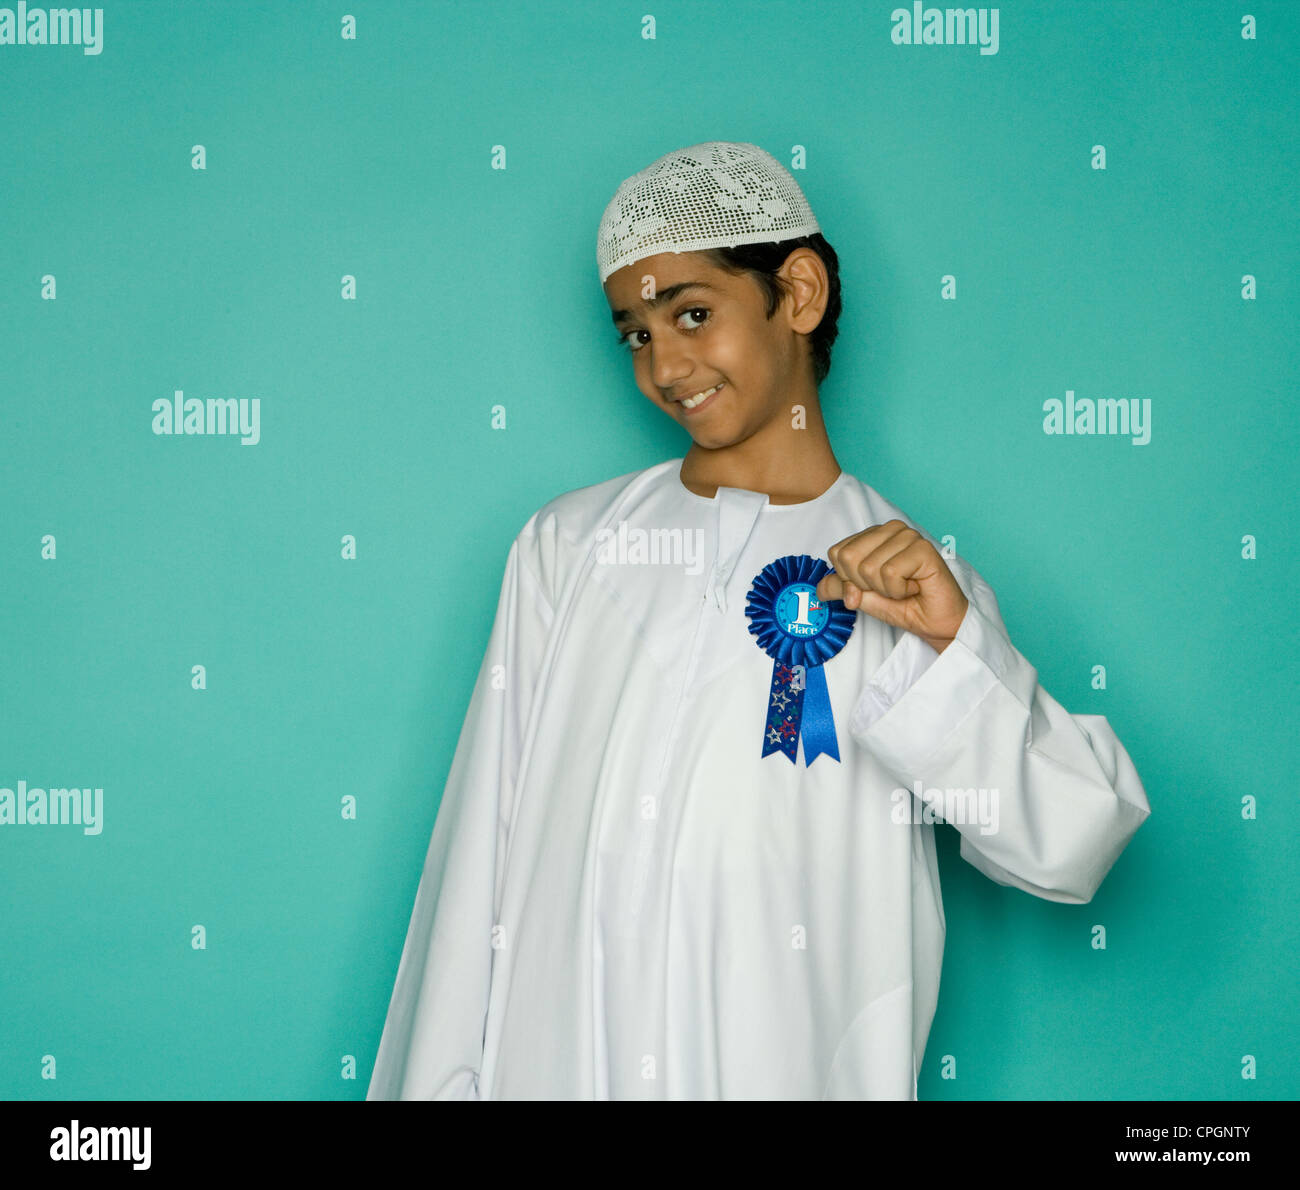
{"points": [[689, 404]]}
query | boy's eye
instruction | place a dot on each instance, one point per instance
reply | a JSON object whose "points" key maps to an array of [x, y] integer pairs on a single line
{"points": [[627, 338]]}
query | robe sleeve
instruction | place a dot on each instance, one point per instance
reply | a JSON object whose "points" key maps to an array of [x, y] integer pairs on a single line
{"points": [[432, 1041], [974, 716]]}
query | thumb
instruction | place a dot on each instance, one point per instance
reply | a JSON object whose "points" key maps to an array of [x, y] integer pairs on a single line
{"points": [[831, 587]]}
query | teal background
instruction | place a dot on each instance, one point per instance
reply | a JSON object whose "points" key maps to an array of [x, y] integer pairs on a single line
{"points": [[477, 286]]}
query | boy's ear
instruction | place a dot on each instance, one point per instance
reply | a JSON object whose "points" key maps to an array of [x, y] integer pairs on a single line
{"points": [[809, 289]]}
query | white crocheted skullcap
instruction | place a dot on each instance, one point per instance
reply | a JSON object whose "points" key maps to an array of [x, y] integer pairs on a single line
{"points": [[714, 195]]}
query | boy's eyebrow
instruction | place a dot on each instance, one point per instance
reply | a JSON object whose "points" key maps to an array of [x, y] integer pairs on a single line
{"points": [[666, 295]]}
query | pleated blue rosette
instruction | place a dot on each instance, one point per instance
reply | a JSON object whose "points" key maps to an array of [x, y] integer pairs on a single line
{"points": [[800, 633]]}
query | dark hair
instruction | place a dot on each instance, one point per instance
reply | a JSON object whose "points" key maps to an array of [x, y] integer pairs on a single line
{"points": [[763, 261]]}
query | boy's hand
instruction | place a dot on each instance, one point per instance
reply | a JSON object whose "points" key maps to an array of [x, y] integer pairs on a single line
{"points": [[893, 573]]}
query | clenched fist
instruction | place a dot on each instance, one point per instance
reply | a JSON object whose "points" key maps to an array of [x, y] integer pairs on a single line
{"points": [[893, 573]]}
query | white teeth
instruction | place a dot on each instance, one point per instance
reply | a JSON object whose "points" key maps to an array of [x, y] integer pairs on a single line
{"points": [[691, 402]]}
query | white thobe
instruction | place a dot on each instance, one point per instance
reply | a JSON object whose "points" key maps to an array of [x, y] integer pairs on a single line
{"points": [[624, 899]]}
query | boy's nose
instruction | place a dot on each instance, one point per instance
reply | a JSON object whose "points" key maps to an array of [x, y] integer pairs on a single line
{"points": [[670, 368]]}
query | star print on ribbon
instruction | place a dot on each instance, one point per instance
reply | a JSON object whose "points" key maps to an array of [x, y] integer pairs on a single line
{"points": [[800, 633]]}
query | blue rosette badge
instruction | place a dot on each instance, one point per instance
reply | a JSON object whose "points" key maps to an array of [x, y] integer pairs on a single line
{"points": [[800, 633]]}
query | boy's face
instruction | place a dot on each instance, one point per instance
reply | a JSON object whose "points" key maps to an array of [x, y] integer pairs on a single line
{"points": [[715, 333]]}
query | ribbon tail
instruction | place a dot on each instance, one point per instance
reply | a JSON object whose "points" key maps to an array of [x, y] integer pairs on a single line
{"points": [[781, 731], [818, 724]]}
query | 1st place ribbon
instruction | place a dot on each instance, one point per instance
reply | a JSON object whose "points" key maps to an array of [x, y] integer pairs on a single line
{"points": [[800, 633]]}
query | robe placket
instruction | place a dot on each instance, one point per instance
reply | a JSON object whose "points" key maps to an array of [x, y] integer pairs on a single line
{"points": [[737, 512]]}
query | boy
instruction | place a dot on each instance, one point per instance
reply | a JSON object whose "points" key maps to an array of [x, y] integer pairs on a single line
{"points": [[686, 848]]}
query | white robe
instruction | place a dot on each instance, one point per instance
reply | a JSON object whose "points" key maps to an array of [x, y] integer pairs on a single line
{"points": [[623, 899]]}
